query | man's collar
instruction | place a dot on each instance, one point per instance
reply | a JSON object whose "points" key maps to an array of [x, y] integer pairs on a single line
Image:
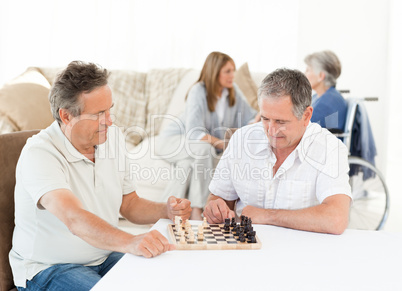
{"points": [[308, 138], [258, 138], [305, 142]]}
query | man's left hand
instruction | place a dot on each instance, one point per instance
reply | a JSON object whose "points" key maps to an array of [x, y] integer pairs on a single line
{"points": [[178, 207]]}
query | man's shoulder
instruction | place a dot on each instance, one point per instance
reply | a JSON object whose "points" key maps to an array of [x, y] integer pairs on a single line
{"points": [[317, 140], [43, 139], [254, 130], [250, 138]]}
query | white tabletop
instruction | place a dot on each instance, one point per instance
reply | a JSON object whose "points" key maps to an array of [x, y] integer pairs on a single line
{"points": [[288, 260]]}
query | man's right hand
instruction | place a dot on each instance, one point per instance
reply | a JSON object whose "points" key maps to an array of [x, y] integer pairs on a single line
{"points": [[217, 210], [150, 244]]}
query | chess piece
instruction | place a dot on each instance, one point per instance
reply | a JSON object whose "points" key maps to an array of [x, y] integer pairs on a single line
{"points": [[205, 223], [191, 238], [182, 239]]}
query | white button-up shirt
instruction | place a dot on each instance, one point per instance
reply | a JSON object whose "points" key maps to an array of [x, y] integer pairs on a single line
{"points": [[315, 170]]}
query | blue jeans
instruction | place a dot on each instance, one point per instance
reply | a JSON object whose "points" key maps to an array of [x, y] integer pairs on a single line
{"points": [[71, 276]]}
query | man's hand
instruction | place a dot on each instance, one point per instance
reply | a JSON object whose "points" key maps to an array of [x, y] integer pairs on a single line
{"points": [[150, 244], [178, 207], [256, 214], [217, 210]]}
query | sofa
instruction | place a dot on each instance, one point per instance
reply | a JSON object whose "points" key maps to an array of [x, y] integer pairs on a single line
{"points": [[144, 102]]}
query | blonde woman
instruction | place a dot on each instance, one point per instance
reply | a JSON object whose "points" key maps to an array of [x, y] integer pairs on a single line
{"points": [[192, 142]]}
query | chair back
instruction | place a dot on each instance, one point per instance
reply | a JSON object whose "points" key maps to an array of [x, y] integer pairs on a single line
{"points": [[11, 145], [350, 119]]}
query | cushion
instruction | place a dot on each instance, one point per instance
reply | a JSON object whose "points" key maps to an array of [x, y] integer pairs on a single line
{"points": [[49, 73], [6, 125], [246, 84], [160, 86], [129, 110], [24, 101], [177, 103]]}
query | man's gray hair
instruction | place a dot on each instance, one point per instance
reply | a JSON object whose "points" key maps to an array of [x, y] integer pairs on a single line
{"points": [[286, 82], [79, 77], [327, 62]]}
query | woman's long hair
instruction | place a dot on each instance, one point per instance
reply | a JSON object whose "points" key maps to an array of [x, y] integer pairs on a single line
{"points": [[210, 77]]}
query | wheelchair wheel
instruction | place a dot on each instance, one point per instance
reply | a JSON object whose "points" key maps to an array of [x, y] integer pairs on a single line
{"points": [[369, 210]]}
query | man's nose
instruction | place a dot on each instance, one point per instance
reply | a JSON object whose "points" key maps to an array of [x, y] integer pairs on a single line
{"points": [[275, 128], [107, 119], [272, 128]]}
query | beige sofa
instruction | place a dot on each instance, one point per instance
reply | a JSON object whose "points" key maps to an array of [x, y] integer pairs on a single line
{"points": [[144, 104]]}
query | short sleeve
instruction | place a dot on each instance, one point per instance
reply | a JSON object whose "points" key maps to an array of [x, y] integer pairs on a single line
{"points": [[333, 178], [222, 184], [40, 171]]}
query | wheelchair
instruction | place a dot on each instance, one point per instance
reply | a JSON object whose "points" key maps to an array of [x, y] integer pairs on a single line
{"points": [[370, 207]]}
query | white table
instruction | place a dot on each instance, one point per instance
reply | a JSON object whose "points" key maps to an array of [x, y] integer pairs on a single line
{"points": [[288, 260]]}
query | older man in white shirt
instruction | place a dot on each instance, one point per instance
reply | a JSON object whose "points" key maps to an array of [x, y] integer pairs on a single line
{"points": [[284, 171]]}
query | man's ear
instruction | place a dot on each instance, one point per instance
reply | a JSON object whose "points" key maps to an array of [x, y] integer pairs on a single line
{"points": [[308, 113], [65, 116]]}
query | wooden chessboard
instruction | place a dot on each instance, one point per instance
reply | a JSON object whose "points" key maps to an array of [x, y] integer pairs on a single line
{"points": [[215, 238]]}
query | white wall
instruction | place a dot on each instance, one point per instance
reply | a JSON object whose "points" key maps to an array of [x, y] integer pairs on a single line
{"points": [[357, 32], [141, 35], [394, 116]]}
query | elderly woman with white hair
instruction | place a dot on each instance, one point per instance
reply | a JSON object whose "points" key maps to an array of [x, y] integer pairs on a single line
{"points": [[323, 69]]}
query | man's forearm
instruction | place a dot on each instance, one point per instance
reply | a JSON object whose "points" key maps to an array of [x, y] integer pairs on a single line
{"points": [[142, 211], [98, 233], [309, 219], [331, 216]]}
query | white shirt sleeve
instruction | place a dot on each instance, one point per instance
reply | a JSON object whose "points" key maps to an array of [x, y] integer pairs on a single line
{"points": [[41, 172], [222, 184], [333, 178]]}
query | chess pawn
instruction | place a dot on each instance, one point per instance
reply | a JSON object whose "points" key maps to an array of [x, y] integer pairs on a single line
{"points": [[190, 233], [191, 237], [187, 225], [179, 220], [205, 223]]}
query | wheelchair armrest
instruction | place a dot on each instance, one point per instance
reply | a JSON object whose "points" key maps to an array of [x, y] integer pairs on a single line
{"points": [[335, 130]]}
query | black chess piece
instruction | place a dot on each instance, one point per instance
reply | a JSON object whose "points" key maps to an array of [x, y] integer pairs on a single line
{"points": [[233, 223], [246, 228]]}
